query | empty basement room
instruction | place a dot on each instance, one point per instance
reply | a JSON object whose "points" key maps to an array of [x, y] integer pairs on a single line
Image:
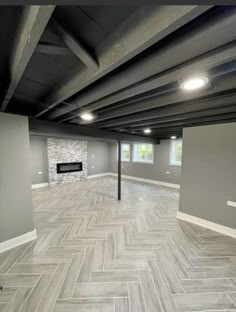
{"points": [[118, 158]]}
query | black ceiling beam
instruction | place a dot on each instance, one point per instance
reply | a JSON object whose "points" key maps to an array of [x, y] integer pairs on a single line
{"points": [[75, 46], [201, 63], [32, 24], [162, 59], [187, 107], [125, 43], [47, 48], [62, 114], [206, 113], [47, 127], [227, 83], [219, 29], [192, 121]]}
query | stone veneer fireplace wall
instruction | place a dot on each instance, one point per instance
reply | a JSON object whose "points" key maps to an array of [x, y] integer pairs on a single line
{"points": [[66, 151]]}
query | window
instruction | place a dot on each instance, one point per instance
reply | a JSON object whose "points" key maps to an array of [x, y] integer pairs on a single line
{"points": [[175, 152], [143, 153], [125, 152]]}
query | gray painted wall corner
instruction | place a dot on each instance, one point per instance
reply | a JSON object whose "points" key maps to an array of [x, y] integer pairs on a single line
{"points": [[209, 173], [16, 213]]}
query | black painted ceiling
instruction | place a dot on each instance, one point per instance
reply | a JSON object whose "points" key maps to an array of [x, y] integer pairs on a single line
{"points": [[102, 60]]}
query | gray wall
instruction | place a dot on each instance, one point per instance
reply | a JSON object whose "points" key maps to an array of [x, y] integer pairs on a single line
{"points": [[98, 157], [209, 173], [156, 171], [39, 159], [16, 211]]}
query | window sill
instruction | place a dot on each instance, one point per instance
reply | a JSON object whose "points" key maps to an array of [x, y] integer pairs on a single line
{"points": [[143, 162], [175, 164]]}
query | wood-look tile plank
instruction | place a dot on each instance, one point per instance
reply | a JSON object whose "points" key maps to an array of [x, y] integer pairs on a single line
{"points": [[110, 247], [65, 250], [121, 305], [136, 299], [99, 255], [203, 302], [10, 257], [170, 275], [114, 276], [150, 293], [208, 285], [86, 267], [138, 254], [7, 293], [100, 290], [212, 262], [46, 268], [71, 277], [18, 300], [213, 272], [3, 307], [126, 264], [53, 289], [85, 305], [19, 280], [37, 294]]}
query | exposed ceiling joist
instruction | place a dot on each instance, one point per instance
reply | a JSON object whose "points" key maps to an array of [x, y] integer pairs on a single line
{"points": [[125, 43], [168, 99], [33, 22], [47, 48], [182, 117], [76, 47], [203, 63], [193, 106], [160, 60], [208, 119], [46, 127]]}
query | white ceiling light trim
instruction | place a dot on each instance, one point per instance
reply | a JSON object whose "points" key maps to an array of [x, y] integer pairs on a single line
{"points": [[194, 83], [87, 116], [147, 131]]}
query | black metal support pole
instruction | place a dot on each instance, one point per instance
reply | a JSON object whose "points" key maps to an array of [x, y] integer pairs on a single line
{"points": [[119, 170]]}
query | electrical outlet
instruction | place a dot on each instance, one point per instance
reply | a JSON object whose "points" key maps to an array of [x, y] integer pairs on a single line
{"points": [[40, 172], [93, 167], [167, 172]]}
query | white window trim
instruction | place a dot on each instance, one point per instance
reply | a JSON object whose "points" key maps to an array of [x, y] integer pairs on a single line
{"points": [[121, 153], [148, 162], [174, 163]]}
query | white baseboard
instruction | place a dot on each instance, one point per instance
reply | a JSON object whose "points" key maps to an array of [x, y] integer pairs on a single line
{"points": [[17, 241], [207, 224], [34, 186], [231, 203], [98, 175], [177, 186]]}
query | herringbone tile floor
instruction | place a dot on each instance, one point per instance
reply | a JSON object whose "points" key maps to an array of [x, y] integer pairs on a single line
{"points": [[96, 254]]}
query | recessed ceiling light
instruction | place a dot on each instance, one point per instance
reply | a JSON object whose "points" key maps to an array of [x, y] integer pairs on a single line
{"points": [[194, 83], [173, 137], [147, 131], [87, 116]]}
